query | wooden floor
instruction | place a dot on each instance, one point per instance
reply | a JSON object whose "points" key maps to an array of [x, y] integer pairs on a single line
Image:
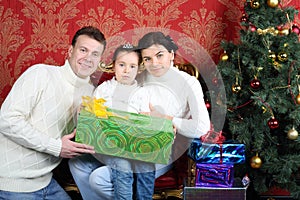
{"points": [[76, 196]]}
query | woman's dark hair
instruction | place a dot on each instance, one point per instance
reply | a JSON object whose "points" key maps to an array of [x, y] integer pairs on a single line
{"points": [[157, 38], [91, 32]]}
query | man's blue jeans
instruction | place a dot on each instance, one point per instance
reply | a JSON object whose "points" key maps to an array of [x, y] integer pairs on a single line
{"points": [[81, 168], [51, 192]]}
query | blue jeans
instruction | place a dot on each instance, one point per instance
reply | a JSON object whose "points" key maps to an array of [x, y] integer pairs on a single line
{"points": [[144, 185], [81, 168], [94, 179], [51, 192], [122, 173]]}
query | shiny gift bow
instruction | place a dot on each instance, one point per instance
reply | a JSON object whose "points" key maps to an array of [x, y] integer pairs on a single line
{"points": [[96, 106]]}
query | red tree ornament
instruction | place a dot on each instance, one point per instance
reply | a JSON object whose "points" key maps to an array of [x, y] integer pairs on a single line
{"points": [[273, 123], [215, 81], [208, 105], [253, 28], [296, 29], [255, 83], [244, 18]]}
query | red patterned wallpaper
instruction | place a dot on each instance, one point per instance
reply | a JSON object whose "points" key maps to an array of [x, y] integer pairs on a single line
{"points": [[40, 31]]}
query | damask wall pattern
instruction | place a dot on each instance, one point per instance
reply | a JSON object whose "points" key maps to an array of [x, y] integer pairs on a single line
{"points": [[40, 31]]}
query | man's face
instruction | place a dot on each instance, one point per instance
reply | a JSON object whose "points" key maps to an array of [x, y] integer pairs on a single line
{"points": [[85, 56], [126, 67], [157, 60]]}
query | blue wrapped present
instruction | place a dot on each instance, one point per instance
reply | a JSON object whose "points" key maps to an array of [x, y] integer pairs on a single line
{"points": [[226, 153], [214, 175]]}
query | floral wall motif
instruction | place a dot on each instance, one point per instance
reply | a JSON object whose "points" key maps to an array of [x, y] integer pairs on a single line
{"points": [[40, 31]]}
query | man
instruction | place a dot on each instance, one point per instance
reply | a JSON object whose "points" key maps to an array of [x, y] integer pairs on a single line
{"points": [[37, 118]]}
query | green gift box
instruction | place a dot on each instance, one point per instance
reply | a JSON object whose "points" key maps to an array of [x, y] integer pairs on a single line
{"points": [[127, 135]]}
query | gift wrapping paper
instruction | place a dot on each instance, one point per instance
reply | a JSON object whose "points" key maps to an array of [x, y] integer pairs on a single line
{"points": [[214, 175], [216, 153], [127, 135]]}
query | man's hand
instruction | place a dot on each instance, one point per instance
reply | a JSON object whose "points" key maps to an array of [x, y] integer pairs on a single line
{"points": [[72, 149]]}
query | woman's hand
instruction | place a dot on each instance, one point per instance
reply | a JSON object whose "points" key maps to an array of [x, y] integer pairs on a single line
{"points": [[153, 112]]}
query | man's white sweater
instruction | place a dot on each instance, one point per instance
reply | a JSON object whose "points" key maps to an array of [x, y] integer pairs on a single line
{"points": [[35, 115]]}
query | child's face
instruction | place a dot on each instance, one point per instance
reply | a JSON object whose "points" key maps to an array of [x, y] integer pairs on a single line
{"points": [[126, 67]]}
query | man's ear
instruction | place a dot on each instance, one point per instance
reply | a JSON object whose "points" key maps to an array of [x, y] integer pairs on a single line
{"points": [[70, 50]]}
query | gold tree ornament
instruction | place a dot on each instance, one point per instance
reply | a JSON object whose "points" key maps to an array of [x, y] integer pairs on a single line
{"points": [[298, 99], [292, 134], [272, 56], [284, 31], [255, 162], [273, 3], [298, 96], [282, 56], [255, 4], [277, 65], [264, 109], [224, 56], [235, 88], [270, 30]]}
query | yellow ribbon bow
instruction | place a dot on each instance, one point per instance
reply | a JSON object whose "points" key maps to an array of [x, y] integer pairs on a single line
{"points": [[96, 106]]}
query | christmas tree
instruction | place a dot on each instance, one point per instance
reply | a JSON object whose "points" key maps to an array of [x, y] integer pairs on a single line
{"points": [[262, 84]]}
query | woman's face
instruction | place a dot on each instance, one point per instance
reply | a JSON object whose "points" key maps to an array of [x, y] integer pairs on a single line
{"points": [[126, 67], [157, 60]]}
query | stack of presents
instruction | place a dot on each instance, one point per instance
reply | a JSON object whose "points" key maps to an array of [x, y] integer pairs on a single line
{"points": [[214, 170]]}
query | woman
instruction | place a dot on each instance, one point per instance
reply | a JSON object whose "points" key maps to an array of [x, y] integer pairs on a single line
{"points": [[175, 95]]}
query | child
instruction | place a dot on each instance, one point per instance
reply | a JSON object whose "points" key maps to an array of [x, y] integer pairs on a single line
{"points": [[123, 93]]}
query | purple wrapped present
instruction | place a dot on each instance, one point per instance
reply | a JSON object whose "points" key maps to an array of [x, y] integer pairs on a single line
{"points": [[227, 153], [214, 175]]}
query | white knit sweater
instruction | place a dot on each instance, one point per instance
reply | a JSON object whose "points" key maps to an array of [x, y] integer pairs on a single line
{"points": [[36, 113], [180, 95], [131, 98]]}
